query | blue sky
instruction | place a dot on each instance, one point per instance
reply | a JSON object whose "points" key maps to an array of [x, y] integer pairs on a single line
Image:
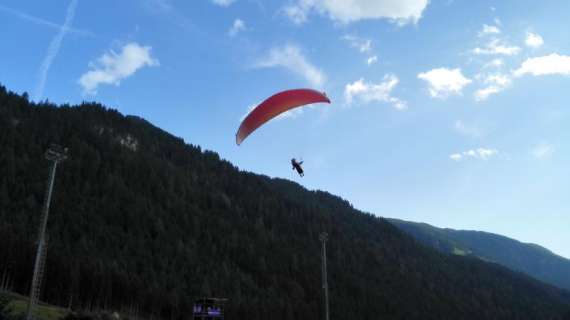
{"points": [[448, 112]]}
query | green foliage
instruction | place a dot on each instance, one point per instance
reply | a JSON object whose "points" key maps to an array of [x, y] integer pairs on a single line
{"points": [[531, 259], [143, 224]]}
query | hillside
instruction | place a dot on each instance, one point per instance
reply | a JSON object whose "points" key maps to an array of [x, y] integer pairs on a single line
{"points": [[529, 258], [145, 223]]}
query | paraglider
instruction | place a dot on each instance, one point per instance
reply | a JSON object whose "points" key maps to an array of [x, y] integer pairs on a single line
{"points": [[297, 166], [276, 105], [273, 107]]}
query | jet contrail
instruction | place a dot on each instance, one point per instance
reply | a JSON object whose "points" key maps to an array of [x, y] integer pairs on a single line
{"points": [[43, 22], [53, 50]]}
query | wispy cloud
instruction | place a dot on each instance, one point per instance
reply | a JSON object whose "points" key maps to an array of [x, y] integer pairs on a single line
{"points": [[495, 63], [223, 3], [237, 27], [367, 92], [495, 83], [484, 93], [543, 151], [160, 6], [444, 82], [363, 45], [469, 130], [487, 30], [402, 12], [291, 58], [480, 154], [167, 9], [53, 50], [497, 47], [111, 68]]}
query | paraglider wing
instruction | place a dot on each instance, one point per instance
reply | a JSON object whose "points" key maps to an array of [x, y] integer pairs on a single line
{"points": [[274, 106]]}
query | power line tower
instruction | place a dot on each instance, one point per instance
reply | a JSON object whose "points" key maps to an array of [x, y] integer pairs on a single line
{"points": [[55, 154], [324, 237]]}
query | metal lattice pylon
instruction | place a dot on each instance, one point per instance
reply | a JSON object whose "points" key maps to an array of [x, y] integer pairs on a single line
{"points": [[55, 154]]}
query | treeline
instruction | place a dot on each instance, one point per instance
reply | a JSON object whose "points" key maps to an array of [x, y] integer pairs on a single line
{"points": [[531, 259], [143, 223]]}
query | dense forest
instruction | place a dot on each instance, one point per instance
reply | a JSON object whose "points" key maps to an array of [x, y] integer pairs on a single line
{"points": [[143, 223], [529, 258]]}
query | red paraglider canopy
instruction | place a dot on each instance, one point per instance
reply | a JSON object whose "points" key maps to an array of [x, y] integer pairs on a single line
{"points": [[274, 106]]}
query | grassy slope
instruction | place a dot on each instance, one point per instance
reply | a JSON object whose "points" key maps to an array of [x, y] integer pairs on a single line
{"points": [[17, 308]]}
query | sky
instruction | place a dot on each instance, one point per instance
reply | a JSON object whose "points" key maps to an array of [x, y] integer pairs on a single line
{"points": [[447, 112]]}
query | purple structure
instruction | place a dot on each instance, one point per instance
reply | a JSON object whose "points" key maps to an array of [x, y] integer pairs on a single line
{"points": [[209, 309]]}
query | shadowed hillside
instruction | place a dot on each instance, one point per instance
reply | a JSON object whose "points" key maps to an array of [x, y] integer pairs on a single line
{"points": [[142, 221], [529, 258]]}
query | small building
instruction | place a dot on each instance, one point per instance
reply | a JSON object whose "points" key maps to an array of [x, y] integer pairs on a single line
{"points": [[209, 309]]}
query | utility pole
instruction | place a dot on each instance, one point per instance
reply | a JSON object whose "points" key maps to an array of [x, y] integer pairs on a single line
{"points": [[324, 237], [55, 154]]}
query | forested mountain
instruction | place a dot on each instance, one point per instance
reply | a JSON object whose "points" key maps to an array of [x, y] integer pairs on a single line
{"points": [[143, 222], [529, 258]]}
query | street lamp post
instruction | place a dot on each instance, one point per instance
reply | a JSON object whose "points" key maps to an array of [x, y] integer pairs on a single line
{"points": [[324, 237], [55, 154]]}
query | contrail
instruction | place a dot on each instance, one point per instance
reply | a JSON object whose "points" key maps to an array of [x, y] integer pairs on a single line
{"points": [[53, 49], [43, 22]]}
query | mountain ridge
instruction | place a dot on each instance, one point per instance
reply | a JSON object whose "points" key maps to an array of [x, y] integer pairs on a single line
{"points": [[530, 258]]}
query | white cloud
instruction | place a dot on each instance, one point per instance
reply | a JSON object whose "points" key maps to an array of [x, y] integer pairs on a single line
{"points": [[469, 130], [484, 93], [297, 13], [223, 3], [533, 40], [367, 92], [496, 47], [291, 58], [495, 63], [363, 45], [498, 79], [53, 50], [111, 67], [237, 27], [346, 11], [553, 64], [480, 154], [456, 157], [495, 83], [543, 151], [487, 29], [444, 82]]}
